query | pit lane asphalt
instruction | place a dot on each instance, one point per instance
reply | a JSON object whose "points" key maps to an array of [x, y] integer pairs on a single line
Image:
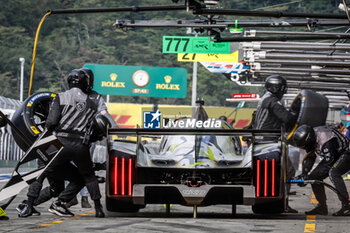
{"points": [[210, 219]]}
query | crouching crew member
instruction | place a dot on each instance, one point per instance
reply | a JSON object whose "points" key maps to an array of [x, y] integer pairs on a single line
{"points": [[334, 148]]}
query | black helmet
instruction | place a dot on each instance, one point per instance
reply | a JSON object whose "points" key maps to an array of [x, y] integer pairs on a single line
{"points": [[276, 85], [304, 137], [91, 76], [100, 125], [82, 79]]}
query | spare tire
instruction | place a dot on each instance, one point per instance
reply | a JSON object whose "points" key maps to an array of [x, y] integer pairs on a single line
{"points": [[313, 110], [30, 117]]}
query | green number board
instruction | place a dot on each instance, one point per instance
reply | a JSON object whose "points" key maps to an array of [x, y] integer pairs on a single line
{"points": [[191, 44]]}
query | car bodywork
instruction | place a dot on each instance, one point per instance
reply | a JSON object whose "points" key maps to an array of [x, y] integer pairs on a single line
{"points": [[195, 167]]}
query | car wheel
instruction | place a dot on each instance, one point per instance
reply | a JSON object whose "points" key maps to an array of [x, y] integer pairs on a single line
{"points": [[276, 207], [124, 206]]}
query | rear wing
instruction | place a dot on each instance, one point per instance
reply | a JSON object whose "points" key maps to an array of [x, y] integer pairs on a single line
{"points": [[178, 131], [258, 136]]}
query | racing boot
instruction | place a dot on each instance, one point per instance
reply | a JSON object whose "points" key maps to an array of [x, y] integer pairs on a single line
{"points": [[58, 208], [4, 217], [318, 210], [344, 211], [27, 211], [85, 202], [98, 209], [23, 205]]}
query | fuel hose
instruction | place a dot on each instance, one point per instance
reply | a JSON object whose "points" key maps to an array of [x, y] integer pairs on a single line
{"points": [[302, 181]]}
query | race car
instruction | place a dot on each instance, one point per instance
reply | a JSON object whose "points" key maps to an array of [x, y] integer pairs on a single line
{"points": [[204, 164], [195, 166]]}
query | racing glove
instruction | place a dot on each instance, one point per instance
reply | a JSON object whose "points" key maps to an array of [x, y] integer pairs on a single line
{"points": [[301, 177]]}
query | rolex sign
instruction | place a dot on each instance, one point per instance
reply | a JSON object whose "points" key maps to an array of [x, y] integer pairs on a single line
{"points": [[139, 80]]}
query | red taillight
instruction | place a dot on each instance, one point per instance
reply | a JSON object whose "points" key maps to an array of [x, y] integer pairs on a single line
{"points": [[265, 178], [116, 176], [273, 177], [123, 176], [266, 185], [130, 176], [258, 178]]}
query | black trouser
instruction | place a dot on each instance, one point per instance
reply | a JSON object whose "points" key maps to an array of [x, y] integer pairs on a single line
{"points": [[320, 173], [55, 187], [56, 177], [325, 169], [335, 174], [74, 150]]}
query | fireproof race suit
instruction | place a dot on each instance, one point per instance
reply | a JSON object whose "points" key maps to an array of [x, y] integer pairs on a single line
{"points": [[271, 114], [333, 147], [70, 115]]}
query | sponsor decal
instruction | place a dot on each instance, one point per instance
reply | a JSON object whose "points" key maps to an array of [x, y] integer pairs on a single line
{"points": [[193, 192], [42, 155], [113, 83], [35, 97], [80, 106], [193, 123], [123, 120], [225, 67], [34, 129], [167, 85], [151, 120]]}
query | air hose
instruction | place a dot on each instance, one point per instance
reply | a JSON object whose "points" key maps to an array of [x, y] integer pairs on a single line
{"points": [[302, 181]]}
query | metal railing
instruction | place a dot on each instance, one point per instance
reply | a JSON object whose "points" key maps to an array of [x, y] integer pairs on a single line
{"points": [[8, 147]]}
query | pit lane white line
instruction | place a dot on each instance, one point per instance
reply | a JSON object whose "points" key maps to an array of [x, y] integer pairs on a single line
{"points": [[5, 177]]}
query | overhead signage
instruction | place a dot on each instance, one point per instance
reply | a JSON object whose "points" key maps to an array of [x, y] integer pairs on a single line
{"points": [[191, 44], [245, 96], [225, 67], [139, 80], [192, 57]]}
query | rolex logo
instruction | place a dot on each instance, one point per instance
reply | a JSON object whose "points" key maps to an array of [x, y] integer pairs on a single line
{"points": [[167, 79], [113, 83], [167, 85], [113, 76]]}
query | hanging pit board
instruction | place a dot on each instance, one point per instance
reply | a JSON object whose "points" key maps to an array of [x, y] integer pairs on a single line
{"points": [[192, 57], [192, 44]]}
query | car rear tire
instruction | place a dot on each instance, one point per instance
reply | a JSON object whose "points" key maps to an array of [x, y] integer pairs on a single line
{"points": [[276, 207], [123, 206]]}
